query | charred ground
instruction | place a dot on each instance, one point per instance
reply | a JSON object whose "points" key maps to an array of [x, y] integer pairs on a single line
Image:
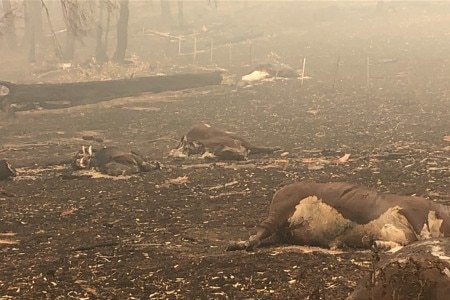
{"points": [[162, 234]]}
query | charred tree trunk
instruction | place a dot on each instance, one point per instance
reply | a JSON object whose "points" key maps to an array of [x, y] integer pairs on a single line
{"points": [[29, 35], [100, 48], [36, 19], [122, 32], [69, 14], [10, 28]]}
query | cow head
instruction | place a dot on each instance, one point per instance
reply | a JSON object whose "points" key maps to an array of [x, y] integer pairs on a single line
{"points": [[83, 158], [186, 148]]}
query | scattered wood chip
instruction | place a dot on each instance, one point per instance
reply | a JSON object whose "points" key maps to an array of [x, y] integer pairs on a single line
{"points": [[315, 167], [90, 290], [178, 180], [446, 138], [68, 212], [232, 193], [8, 233], [313, 112], [220, 186], [343, 159], [231, 183], [8, 242]]}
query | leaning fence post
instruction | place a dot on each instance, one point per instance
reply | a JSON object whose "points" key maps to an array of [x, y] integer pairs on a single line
{"points": [[195, 49], [251, 53], [303, 69], [229, 54], [212, 50]]}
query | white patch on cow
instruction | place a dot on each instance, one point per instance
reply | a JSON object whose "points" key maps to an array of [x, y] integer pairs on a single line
{"points": [[208, 154], [255, 76], [326, 226], [432, 228], [177, 153], [324, 222], [391, 226]]}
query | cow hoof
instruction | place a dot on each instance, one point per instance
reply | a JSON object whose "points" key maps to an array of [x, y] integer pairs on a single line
{"points": [[235, 246], [252, 243]]}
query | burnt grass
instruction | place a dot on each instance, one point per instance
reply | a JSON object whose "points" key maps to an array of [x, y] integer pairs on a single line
{"points": [[146, 237]]}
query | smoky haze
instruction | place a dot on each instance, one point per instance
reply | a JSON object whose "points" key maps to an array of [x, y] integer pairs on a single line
{"points": [[162, 34], [141, 139]]}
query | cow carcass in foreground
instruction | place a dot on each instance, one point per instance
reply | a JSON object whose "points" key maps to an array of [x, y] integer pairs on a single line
{"points": [[6, 170], [206, 141], [113, 161], [339, 215], [420, 270]]}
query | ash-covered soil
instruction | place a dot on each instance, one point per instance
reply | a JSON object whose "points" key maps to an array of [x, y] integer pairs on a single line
{"points": [[162, 234]]}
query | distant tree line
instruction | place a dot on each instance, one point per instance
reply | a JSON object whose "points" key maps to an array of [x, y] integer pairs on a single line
{"points": [[81, 18]]}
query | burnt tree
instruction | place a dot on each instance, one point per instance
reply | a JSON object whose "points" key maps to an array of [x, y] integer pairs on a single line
{"points": [[122, 32], [10, 28]]}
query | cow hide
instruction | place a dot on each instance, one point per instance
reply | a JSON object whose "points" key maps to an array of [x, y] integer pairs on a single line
{"points": [[205, 141], [344, 215]]}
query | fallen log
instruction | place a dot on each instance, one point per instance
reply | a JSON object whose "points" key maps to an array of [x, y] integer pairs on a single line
{"points": [[59, 95]]}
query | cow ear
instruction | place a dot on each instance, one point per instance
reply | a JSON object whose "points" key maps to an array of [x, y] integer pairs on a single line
{"points": [[183, 141], [90, 150]]}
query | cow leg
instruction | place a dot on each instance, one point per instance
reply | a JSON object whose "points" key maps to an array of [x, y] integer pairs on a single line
{"points": [[253, 242]]}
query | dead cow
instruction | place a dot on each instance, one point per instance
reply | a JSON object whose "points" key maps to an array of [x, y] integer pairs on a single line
{"points": [[420, 270], [340, 215], [113, 161], [204, 140]]}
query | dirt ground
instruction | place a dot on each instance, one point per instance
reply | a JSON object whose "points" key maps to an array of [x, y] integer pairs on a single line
{"points": [[151, 237]]}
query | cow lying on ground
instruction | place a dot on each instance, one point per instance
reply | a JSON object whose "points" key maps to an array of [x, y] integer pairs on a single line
{"points": [[418, 271], [206, 141], [113, 161], [340, 215]]}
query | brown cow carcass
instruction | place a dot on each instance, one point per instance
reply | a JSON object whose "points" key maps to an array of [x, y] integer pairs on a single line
{"points": [[206, 141], [340, 215], [113, 161]]}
